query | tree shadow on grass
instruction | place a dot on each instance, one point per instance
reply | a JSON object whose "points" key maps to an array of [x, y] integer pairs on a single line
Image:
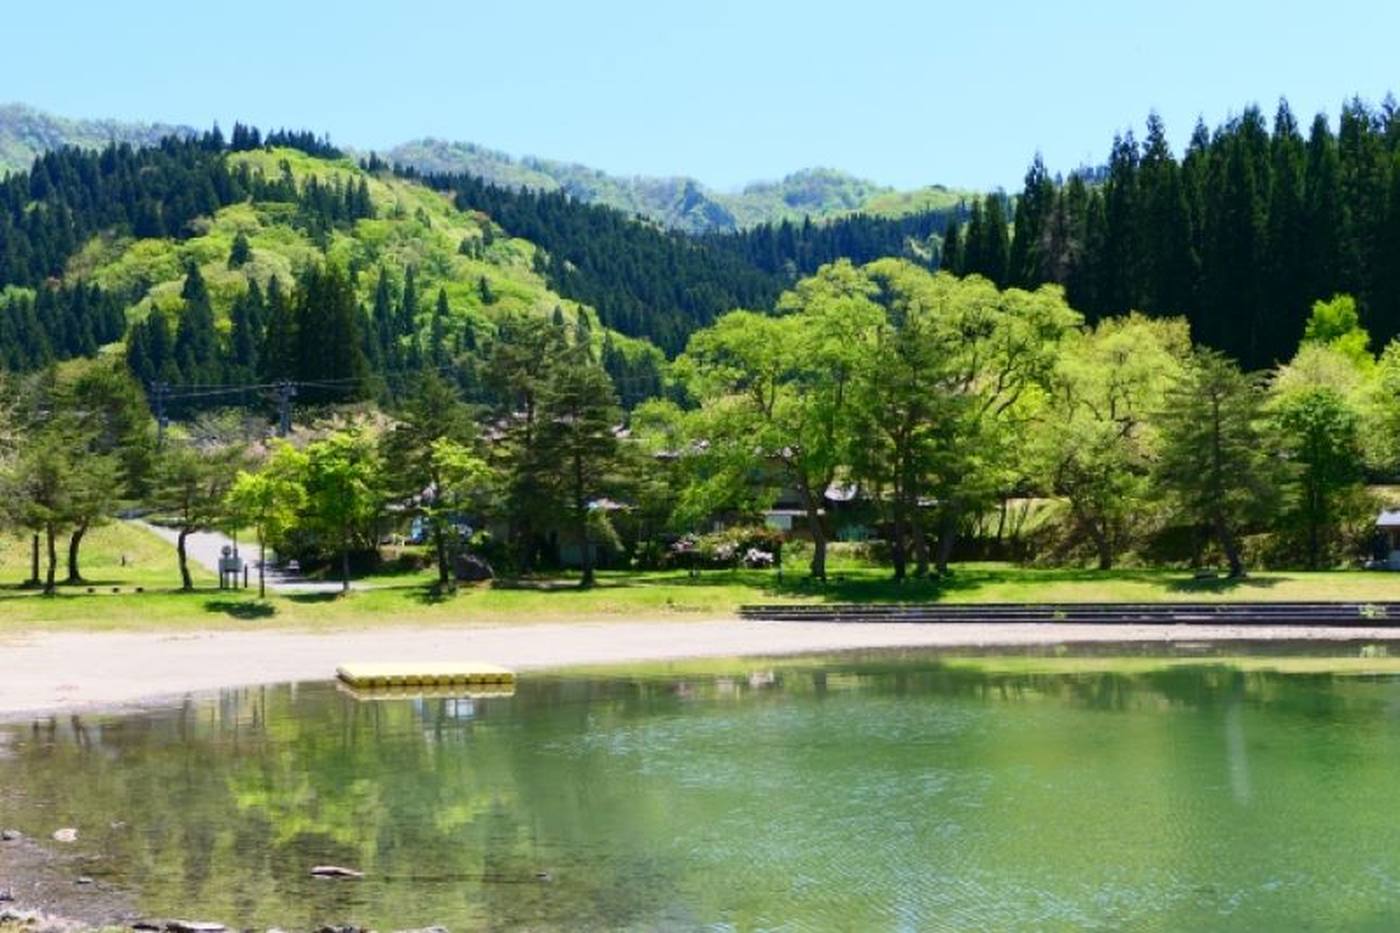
{"points": [[239, 609], [313, 598], [1219, 584]]}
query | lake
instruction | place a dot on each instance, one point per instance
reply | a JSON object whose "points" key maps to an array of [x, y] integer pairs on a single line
{"points": [[876, 792]]}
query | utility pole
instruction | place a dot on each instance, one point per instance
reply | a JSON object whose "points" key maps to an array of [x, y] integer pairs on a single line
{"points": [[159, 391], [286, 391]]}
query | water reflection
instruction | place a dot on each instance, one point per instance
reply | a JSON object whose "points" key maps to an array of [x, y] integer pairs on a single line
{"points": [[874, 792]]}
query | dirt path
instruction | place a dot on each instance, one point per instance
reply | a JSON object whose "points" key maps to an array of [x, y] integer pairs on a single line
{"points": [[42, 672]]}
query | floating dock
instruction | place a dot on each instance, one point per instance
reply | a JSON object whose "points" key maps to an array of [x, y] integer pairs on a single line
{"points": [[420, 692], [369, 675]]}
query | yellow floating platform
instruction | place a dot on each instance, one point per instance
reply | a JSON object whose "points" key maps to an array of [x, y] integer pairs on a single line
{"points": [[421, 692], [426, 674]]}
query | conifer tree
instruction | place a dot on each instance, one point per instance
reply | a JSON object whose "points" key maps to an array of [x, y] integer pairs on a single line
{"points": [[278, 357], [241, 252], [437, 335]]}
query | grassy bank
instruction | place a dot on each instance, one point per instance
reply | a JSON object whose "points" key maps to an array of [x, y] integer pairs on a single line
{"points": [[619, 596]]}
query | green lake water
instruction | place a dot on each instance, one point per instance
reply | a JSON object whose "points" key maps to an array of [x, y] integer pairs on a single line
{"points": [[872, 792]]}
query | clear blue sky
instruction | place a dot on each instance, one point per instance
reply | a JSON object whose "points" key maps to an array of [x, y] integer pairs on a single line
{"points": [[904, 93]]}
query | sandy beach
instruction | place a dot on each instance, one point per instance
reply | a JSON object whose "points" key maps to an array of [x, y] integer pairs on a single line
{"points": [[68, 672]]}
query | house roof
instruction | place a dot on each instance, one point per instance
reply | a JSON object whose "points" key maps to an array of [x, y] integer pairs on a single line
{"points": [[1389, 518]]}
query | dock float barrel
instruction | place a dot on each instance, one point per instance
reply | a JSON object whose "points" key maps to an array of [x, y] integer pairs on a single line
{"points": [[424, 674]]}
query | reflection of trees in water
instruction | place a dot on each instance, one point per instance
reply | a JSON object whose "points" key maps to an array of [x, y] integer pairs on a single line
{"points": [[228, 803], [642, 800]]}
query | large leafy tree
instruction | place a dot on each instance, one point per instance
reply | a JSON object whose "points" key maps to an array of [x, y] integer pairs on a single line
{"points": [[1095, 437], [190, 487], [269, 500], [113, 428], [1320, 434], [343, 493], [957, 366], [778, 394]]}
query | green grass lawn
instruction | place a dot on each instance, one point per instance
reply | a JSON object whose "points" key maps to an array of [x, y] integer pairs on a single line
{"points": [[620, 596], [117, 554]]}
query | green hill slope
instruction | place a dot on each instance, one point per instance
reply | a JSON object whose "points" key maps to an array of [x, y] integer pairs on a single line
{"points": [[484, 273]]}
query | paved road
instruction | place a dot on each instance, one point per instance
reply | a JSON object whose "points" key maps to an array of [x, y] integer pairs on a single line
{"points": [[206, 547]]}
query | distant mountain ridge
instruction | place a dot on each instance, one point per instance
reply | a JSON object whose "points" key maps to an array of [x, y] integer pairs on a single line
{"points": [[678, 202], [26, 133]]}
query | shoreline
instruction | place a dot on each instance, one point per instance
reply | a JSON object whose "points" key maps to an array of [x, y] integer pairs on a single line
{"points": [[50, 673]]}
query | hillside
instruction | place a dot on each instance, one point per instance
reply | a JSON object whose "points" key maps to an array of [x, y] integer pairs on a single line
{"points": [[183, 242], [26, 132]]}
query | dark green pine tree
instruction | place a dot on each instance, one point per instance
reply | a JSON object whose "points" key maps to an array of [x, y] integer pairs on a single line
{"points": [[484, 290], [996, 247], [1364, 166], [951, 258], [244, 338], [1120, 272], [1322, 209], [974, 241], [329, 352], [1168, 263], [408, 304], [437, 334], [241, 252], [383, 325], [278, 355], [1085, 287], [196, 341], [1233, 299], [1033, 209], [583, 333], [1285, 285]]}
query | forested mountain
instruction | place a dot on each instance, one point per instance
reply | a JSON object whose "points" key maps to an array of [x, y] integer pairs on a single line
{"points": [[1240, 235], [664, 285], [252, 259], [26, 133], [676, 202]]}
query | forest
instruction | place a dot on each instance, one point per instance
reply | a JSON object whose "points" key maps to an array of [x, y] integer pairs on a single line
{"points": [[1165, 362], [1239, 236]]}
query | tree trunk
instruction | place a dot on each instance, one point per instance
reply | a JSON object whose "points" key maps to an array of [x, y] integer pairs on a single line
{"points": [[186, 583], [49, 534], [345, 568], [818, 528], [897, 554], [262, 567], [1230, 547], [1101, 545], [916, 534], [75, 541], [440, 542], [588, 577], [947, 537], [34, 561], [581, 510]]}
